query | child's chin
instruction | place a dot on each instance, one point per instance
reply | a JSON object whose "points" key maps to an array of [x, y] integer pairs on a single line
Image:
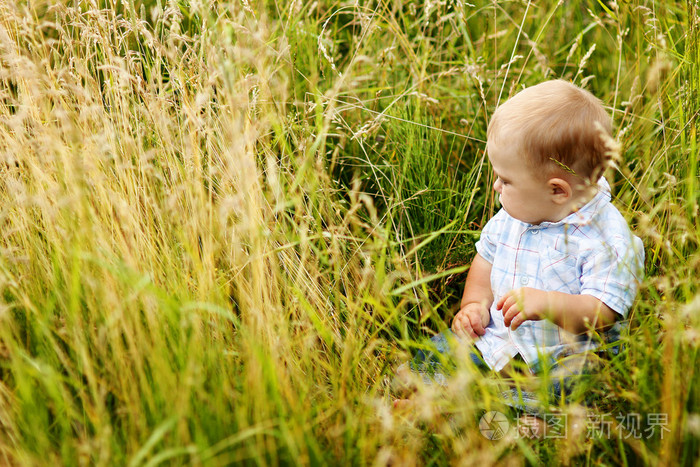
{"points": [[516, 217]]}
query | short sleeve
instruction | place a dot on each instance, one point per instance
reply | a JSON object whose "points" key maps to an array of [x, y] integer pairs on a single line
{"points": [[612, 273], [486, 245]]}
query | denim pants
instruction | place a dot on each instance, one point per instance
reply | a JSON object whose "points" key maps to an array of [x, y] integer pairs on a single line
{"points": [[435, 363]]}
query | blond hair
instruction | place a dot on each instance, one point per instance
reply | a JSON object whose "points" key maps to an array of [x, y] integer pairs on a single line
{"points": [[555, 125]]}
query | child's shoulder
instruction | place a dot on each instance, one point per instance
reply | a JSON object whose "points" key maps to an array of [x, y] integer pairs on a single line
{"points": [[610, 222], [608, 229]]}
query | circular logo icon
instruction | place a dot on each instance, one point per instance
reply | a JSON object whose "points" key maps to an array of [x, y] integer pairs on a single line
{"points": [[493, 425]]}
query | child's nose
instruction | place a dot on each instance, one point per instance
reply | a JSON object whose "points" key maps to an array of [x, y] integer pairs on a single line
{"points": [[497, 185]]}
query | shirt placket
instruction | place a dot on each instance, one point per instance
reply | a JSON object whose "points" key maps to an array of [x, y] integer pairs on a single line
{"points": [[521, 279]]}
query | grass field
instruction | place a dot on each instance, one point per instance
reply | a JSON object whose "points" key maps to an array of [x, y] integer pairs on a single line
{"points": [[225, 223]]}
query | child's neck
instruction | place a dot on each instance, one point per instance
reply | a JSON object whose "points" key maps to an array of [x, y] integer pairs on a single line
{"points": [[582, 195]]}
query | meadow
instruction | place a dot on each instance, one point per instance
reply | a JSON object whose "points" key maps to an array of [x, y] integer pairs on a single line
{"points": [[224, 224]]}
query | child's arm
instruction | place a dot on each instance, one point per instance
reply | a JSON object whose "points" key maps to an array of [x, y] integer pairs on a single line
{"points": [[474, 315], [573, 313]]}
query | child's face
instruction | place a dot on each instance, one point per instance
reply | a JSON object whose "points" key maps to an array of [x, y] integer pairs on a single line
{"points": [[523, 195]]}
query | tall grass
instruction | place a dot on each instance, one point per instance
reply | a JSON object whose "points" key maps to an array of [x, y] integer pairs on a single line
{"points": [[224, 224]]}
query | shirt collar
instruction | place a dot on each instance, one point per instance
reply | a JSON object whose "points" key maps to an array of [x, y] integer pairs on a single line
{"points": [[584, 215]]}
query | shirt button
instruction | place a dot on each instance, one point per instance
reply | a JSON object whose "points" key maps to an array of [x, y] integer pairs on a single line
{"points": [[535, 231], [524, 280]]}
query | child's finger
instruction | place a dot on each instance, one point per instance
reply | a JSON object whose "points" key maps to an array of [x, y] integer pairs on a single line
{"points": [[502, 300], [513, 310], [457, 325], [504, 311], [477, 327], [510, 295], [509, 310], [507, 316], [517, 321], [467, 327], [463, 327]]}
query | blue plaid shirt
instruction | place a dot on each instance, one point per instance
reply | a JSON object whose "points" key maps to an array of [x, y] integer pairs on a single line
{"points": [[591, 251]]}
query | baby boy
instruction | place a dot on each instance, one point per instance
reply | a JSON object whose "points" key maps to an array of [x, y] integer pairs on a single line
{"points": [[558, 260]]}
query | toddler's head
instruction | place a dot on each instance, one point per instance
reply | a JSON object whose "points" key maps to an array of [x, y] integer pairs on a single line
{"points": [[549, 138]]}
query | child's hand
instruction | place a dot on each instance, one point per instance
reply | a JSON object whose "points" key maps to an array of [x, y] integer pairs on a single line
{"points": [[471, 321], [523, 304]]}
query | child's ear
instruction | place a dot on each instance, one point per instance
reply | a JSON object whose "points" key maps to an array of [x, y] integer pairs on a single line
{"points": [[561, 190]]}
